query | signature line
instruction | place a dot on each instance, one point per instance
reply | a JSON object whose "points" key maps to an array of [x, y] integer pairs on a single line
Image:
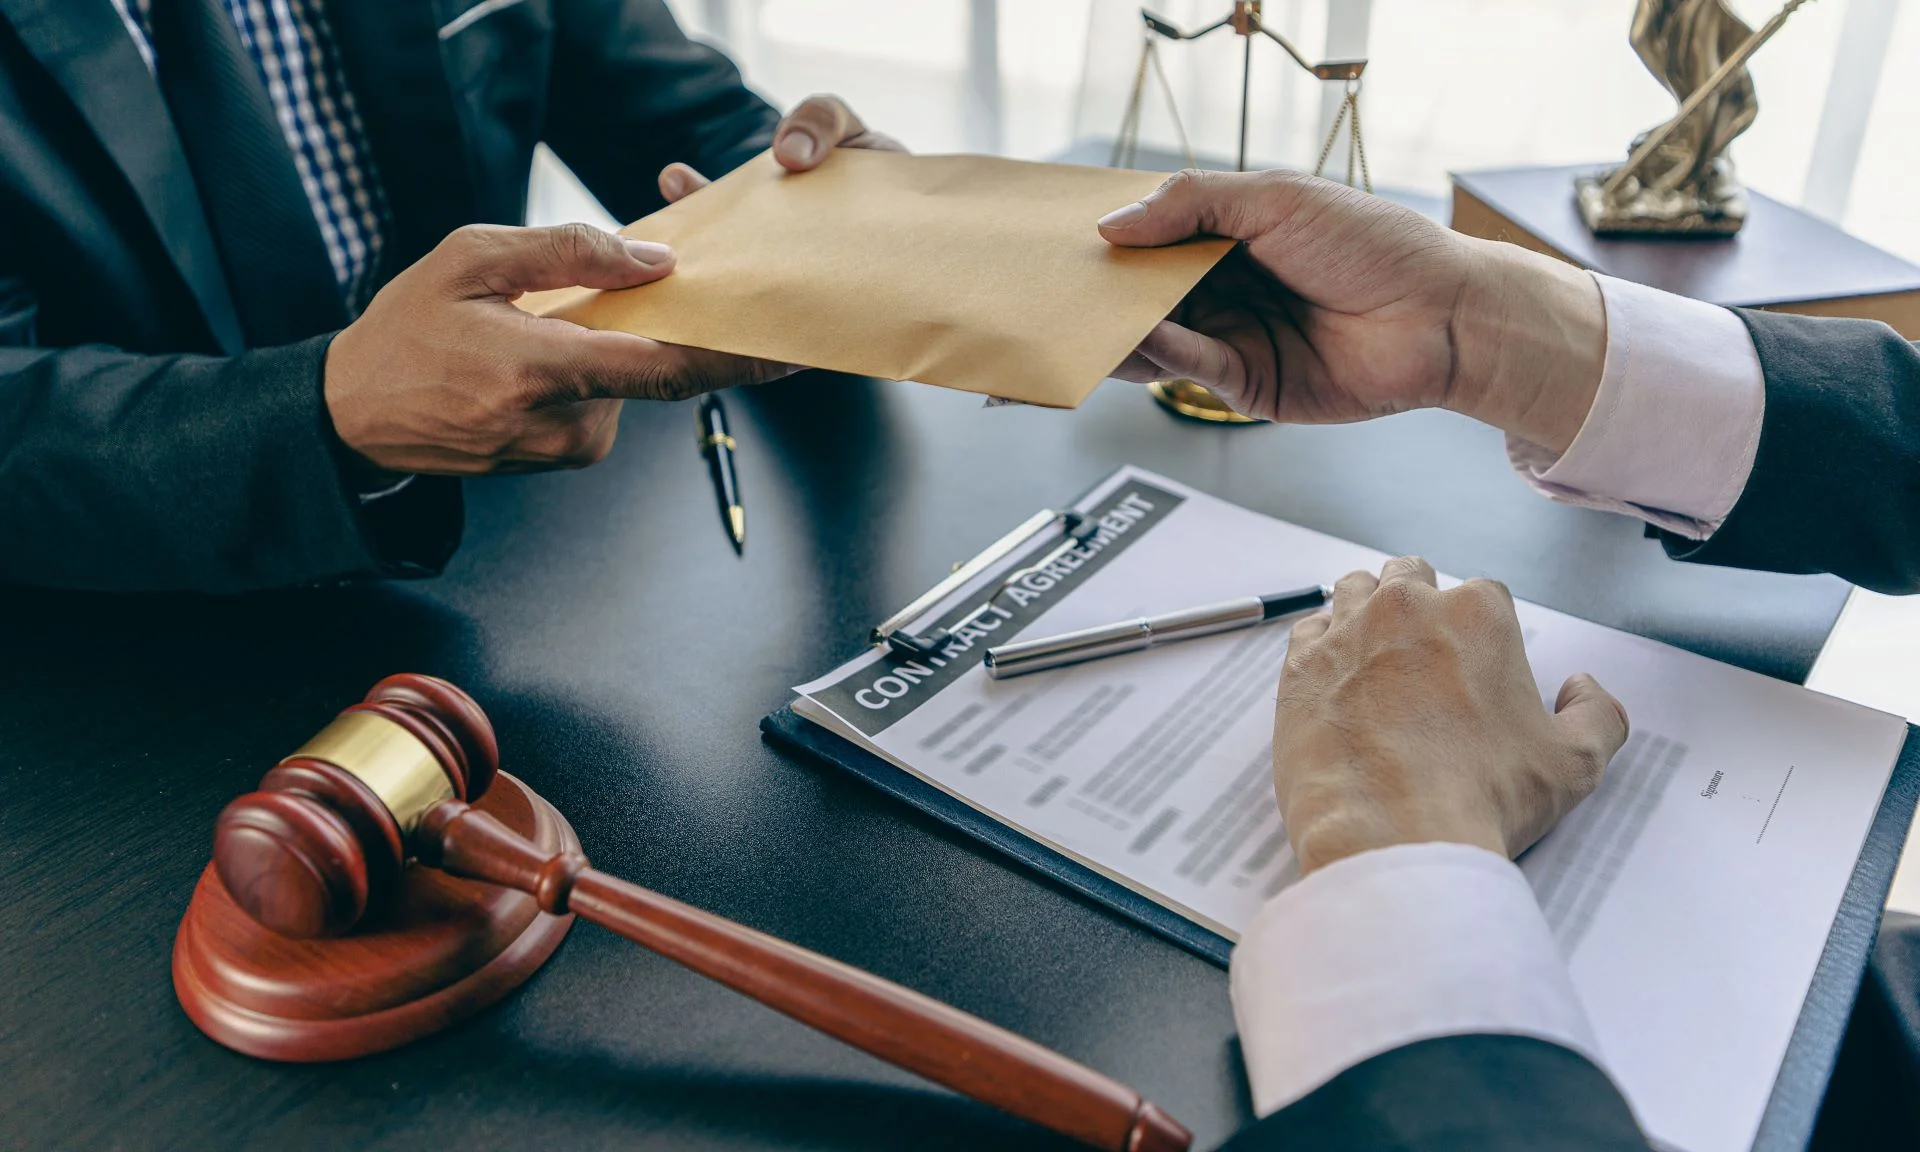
{"points": [[1776, 804]]}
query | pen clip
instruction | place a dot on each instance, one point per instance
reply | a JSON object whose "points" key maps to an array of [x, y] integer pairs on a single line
{"points": [[1076, 530], [710, 424]]}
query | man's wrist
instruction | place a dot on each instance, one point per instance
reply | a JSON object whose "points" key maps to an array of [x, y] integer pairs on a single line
{"points": [[1329, 838], [1530, 344], [365, 479]]}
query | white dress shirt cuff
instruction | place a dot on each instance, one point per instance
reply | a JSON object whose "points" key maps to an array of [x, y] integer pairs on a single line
{"points": [[1390, 947], [1674, 426], [393, 489]]}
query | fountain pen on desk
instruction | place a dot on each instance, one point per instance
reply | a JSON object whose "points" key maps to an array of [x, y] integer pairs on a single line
{"points": [[716, 443]]}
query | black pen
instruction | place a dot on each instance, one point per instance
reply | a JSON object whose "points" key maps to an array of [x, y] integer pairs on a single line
{"points": [[716, 443], [1024, 656]]}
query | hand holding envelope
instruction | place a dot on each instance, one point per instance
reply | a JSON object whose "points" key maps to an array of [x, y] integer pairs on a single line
{"points": [[441, 374], [968, 272]]}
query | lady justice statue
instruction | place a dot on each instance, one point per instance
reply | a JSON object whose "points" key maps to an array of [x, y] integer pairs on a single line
{"points": [[1678, 177]]}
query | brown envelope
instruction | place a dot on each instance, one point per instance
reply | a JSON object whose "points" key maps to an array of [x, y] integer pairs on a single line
{"points": [[970, 272]]}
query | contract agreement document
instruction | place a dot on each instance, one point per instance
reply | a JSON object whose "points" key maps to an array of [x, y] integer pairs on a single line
{"points": [[1692, 894]]}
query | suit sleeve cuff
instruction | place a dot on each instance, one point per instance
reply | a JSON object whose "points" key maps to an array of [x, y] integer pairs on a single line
{"points": [[1390, 947], [1675, 424]]}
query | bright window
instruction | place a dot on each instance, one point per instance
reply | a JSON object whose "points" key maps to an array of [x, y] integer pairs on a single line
{"points": [[1451, 84]]}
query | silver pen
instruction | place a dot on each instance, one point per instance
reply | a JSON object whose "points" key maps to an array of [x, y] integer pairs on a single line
{"points": [[1024, 656]]}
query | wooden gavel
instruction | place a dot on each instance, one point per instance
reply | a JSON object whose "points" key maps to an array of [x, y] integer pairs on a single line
{"points": [[328, 836]]}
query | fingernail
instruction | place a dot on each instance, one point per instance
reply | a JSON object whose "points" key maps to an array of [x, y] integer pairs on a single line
{"points": [[1124, 217], [676, 182], [647, 252], [797, 147]]}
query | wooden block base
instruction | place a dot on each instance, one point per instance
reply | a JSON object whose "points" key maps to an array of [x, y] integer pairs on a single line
{"points": [[446, 949], [1782, 260]]}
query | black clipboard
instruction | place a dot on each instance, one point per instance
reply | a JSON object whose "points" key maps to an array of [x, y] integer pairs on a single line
{"points": [[788, 729], [1801, 1084]]}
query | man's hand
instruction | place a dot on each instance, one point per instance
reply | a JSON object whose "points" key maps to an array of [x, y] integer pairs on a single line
{"points": [[1409, 715], [443, 374], [814, 128], [1342, 307]]}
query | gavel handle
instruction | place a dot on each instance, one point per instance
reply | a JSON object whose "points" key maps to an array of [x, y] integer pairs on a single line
{"points": [[900, 1026]]}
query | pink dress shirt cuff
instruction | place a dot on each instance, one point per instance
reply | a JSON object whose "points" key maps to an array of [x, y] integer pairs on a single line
{"points": [[1673, 429]]}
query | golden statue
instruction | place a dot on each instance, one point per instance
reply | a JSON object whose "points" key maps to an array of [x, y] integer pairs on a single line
{"points": [[1678, 177]]}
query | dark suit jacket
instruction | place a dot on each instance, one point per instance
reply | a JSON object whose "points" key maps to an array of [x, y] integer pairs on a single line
{"points": [[1456, 1094], [1513, 1094], [142, 444], [1836, 482]]}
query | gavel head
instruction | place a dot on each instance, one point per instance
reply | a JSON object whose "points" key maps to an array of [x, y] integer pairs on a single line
{"points": [[326, 836]]}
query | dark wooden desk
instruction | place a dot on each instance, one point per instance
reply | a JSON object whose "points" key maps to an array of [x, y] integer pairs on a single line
{"points": [[625, 656]]}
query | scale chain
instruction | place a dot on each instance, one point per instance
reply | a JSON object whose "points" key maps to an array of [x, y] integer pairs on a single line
{"points": [[1356, 143]]}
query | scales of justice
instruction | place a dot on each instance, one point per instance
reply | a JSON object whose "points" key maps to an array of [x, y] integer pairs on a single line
{"points": [[1184, 397], [1677, 180]]}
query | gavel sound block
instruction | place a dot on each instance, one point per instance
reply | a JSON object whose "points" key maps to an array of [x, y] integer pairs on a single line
{"points": [[387, 880]]}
